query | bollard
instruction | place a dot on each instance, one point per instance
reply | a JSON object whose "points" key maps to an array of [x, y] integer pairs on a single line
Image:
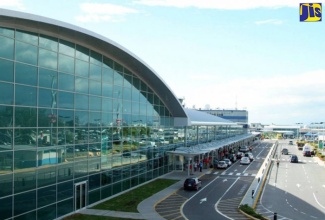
{"points": [[275, 217]]}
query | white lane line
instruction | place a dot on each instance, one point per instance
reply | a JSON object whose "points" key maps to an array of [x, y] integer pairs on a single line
{"points": [[318, 202]]}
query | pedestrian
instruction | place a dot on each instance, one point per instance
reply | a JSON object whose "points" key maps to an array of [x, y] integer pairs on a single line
{"points": [[195, 166], [201, 166]]}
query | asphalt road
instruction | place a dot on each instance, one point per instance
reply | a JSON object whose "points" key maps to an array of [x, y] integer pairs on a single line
{"points": [[222, 190], [294, 190]]}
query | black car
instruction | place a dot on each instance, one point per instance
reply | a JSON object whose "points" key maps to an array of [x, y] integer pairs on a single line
{"points": [[192, 183], [293, 159]]}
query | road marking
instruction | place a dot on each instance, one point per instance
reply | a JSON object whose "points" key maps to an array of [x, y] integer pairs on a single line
{"points": [[203, 200], [318, 202], [298, 185], [230, 174], [225, 180]]}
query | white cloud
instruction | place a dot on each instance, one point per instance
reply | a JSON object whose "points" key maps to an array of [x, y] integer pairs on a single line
{"points": [[103, 12], [270, 21], [216, 4], [12, 4]]}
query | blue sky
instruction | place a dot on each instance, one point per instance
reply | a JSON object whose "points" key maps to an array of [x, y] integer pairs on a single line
{"points": [[225, 54]]}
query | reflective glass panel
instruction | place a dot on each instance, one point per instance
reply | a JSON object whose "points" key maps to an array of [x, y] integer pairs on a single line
{"points": [[27, 37], [7, 47], [45, 175], [26, 53], [66, 48], [82, 85], [6, 94], [7, 32], [95, 103], [95, 87], [66, 64], [82, 53], [24, 180], [127, 80], [26, 74], [6, 206], [82, 68], [95, 119], [25, 95], [47, 42], [48, 59], [65, 190], [66, 82], [65, 100], [81, 102], [25, 202], [25, 117], [81, 119], [107, 90], [6, 165], [107, 105], [127, 95], [66, 118], [45, 98], [118, 78], [48, 212], [108, 75], [45, 116], [95, 58], [47, 78], [95, 72], [7, 71], [46, 196]]}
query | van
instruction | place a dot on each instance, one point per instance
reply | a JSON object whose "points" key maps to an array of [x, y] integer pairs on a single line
{"points": [[306, 148]]}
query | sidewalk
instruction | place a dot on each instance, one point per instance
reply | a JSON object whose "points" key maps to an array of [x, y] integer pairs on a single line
{"points": [[147, 207]]}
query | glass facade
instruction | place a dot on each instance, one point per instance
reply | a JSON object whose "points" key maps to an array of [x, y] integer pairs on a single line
{"points": [[75, 127]]}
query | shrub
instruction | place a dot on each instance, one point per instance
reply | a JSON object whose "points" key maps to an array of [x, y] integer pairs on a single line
{"points": [[250, 211]]}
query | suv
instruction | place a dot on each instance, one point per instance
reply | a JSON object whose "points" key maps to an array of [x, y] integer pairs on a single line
{"points": [[244, 149], [192, 183], [294, 159], [290, 143], [285, 151]]}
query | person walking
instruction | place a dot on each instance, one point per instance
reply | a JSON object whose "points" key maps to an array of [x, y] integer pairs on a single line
{"points": [[201, 166], [195, 166]]}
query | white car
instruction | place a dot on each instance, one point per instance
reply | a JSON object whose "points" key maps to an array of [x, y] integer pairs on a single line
{"points": [[228, 162], [222, 164], [245, 160]]}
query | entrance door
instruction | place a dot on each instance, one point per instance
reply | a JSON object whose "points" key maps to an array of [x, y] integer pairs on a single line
{"points": [[80, 195]]}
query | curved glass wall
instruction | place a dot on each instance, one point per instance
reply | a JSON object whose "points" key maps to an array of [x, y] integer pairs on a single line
{"points": [[70, 115]]}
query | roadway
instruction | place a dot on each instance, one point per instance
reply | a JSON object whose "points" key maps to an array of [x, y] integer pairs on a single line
{"points": [[221, 192], [294, 190]]}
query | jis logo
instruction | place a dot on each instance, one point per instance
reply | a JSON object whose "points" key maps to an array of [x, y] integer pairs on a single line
{"points": [[310, 12]]}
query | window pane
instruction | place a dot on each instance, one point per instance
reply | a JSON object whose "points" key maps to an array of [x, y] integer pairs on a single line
{"points": [[81, 102], [107, 90], [67, 48], [47, 78], [24, 202], [6, 94], [47, 42], [48, 59], [66, 64], [7, 32], [46, 196], [95, 58], [7, 47], [95, 87], [95, 103], [118, 78], [82, 85], [6, 205], [81, 120], [108, 75], [27, 37], [82, 68], [26, 74], [45, 98], [66, 82], [25, 95], [82, 53], [95, 72], [107, 105], [65, 100], [25, 117], [6, 121], [26, 53], [7, 70]]}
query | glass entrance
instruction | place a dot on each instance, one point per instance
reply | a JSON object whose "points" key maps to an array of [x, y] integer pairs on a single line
{"points": [[80, 195]]}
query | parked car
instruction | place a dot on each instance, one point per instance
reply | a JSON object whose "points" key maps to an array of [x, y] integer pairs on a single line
{"points": [[192, 183], [245, 160], [250, 156], [228, 162], [285, 151], [294, 159], [306, 153], [240, 155], [290, 142], [244, 149], [222, 164]]}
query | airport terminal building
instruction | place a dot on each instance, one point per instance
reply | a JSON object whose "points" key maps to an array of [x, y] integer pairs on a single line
{"points": [[83, 119]]}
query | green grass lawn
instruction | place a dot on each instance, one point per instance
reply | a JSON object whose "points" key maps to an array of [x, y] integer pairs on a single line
{"points": [[128, 202]]}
